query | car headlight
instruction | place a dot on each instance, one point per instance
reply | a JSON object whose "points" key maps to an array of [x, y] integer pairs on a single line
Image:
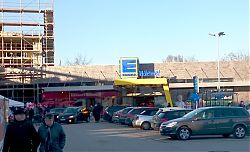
{"points": [[71, 116], [57, 117], [172, 124], [85, 112]]}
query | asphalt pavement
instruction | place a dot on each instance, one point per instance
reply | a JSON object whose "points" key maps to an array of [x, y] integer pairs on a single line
{"points": [[109, 137]]}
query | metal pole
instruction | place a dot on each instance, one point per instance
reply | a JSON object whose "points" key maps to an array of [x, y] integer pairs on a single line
{"points": [[218, 56], [218, 64]]}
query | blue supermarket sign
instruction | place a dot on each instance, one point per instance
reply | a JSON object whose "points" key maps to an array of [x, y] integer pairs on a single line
{"points": [[129, 67]]}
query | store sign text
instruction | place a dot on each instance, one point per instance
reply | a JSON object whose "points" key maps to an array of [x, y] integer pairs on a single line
{"points": [[147, 73]]}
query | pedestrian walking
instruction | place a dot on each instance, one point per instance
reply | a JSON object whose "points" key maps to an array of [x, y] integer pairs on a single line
{"points": [[97, 112], [52, 135], [21, 135], [31, 114]]}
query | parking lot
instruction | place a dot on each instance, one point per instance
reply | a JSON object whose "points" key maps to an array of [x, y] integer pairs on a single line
{"points": [[106, 136]]}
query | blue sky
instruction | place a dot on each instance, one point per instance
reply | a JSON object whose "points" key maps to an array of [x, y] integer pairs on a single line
{"points": [[105, 30]]}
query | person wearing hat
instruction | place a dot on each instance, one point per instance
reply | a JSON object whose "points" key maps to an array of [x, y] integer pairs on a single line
{"points": [[52, 135], [21, 135]]}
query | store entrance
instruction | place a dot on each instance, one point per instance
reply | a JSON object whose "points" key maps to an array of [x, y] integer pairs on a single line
{"points": [[144, 101]]}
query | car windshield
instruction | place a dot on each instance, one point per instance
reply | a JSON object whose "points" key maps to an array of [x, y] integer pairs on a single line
{"points": [[136, 111], [159, 111], [192, 113], [149, 112], [70, 110], [126, 110]]}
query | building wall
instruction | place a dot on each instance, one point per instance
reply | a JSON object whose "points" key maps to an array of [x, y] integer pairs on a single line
{"points": [[180, 70], [237, 72]]}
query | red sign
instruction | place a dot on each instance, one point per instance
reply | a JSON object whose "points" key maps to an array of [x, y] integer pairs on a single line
{"points": [[62, 96]]}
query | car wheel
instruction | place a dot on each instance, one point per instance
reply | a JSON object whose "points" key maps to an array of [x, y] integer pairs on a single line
{"points": [[226, 135], [183, 133], [239, 131], [145, 126]]}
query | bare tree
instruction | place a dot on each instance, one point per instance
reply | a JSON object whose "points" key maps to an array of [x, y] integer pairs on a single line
{"points": [[178, 58], [78, 60], [190, 59], [236, 56]]}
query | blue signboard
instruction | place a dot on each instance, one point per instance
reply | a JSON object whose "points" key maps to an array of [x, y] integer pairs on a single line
{"points": [[195, 97], [147, 73], [129, 67]]}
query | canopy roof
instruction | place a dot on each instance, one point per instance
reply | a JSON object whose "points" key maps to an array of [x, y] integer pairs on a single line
{"points": [[12, 103]]}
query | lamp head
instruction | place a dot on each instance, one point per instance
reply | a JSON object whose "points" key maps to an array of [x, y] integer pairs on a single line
{"points": [[221, 33]]}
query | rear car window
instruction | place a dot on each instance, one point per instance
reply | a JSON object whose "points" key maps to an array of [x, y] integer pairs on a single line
{"points": [[137, 111], [173, 114], [233, 112], [230, 112]]}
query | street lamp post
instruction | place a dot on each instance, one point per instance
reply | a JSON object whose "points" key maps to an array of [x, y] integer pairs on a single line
{"points": [[218, 35]]}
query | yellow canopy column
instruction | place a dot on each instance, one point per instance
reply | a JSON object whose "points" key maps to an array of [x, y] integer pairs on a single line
{"points": [[167, 94]]}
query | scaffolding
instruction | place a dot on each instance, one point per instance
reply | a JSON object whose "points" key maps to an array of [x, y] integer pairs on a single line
{"points": [[26, 46], [27, 33]]}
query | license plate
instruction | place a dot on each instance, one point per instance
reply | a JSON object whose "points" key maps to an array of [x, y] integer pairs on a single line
{"points": [[62, 119]]}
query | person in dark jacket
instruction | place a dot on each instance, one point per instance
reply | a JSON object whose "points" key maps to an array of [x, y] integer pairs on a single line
{"points": [[31, 114], [52, 135], [97, 112], [21, 135]]}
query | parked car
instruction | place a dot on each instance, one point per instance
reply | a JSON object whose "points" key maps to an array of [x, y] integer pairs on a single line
{"points": [[248, 108], [109, 111], [117, 114], [143, 120], [122, 115], [163, 116], [209, 121], [56, 112], [73, 115], [133, 113]]}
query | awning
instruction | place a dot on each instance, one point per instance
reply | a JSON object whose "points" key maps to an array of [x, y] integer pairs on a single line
{"points": [[153, 81]]}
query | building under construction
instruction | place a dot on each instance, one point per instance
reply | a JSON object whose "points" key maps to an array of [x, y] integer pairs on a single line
{"points": [[27, 33], [26, 44]]}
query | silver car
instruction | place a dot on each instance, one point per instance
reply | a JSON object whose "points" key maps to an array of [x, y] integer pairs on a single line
{"points": [[144, 119]]}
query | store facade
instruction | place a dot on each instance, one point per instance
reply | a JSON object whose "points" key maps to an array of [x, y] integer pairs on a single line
{"points": [[140, 86]]}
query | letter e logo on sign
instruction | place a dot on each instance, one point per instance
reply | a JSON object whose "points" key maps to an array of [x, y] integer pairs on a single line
{"points": [[129, 67]]}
